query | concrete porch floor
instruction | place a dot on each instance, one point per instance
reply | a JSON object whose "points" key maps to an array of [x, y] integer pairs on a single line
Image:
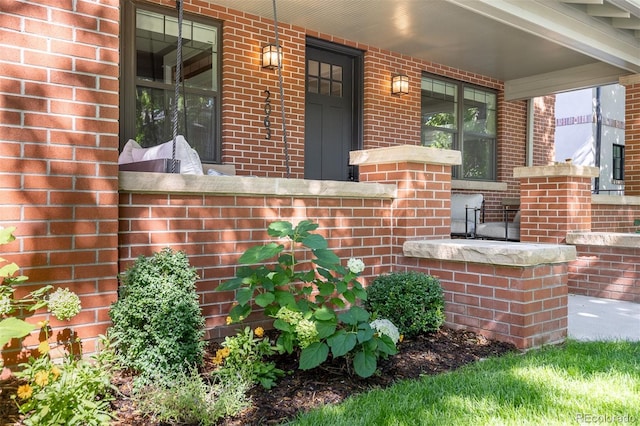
{"points": [[592, 318]]}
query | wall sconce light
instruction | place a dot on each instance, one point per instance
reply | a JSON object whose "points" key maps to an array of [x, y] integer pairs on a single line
{"points": [[399, 84], [270, 56]]}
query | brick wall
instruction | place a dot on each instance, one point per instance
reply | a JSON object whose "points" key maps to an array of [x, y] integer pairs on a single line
{"points": [[606, 271], [526, 306], [215, 230], [614, 217], [59, 178], [632, 139]]}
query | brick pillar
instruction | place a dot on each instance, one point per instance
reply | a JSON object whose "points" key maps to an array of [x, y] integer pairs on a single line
{"points": [[554, 200], [632, 135], [422, 208]]}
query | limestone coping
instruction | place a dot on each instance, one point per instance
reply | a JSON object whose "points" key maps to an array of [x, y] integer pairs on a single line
{"points": [[610, 239], [144, 182], [405, 153], [490, 252], [616, 200], [558, 169]]}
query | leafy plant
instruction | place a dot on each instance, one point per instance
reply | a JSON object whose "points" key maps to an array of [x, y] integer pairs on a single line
{"points": [[157, 322], [309, 292], [414, 302], [75, 392], [63, 304], [192, 400], [243, 355]]}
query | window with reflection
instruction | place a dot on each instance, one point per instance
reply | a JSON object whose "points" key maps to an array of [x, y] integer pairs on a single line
{"points": [[459, 116], [150, 69]]}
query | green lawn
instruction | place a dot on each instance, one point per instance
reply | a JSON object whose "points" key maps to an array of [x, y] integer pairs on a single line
{"points": [[575, 383]]}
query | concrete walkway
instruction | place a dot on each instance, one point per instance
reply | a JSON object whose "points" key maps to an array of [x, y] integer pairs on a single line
{"points": [[591, 318]]}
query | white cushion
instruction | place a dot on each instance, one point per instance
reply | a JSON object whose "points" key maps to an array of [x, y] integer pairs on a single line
{"points": [[126, 156], [189, 159], [496, 230], [459, 202]]}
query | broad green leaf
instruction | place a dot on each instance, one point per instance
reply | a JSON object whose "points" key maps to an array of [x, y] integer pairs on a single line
{"points": [[386, 345], [354, 315], [325, 328], [326, 289], [6, 235], [324, 313], [326, 258], [325, 273], [284, 298], [240, 312], [232, 284], [280, 278], [243, 295], [259, 254], [349, 296], [365, 334], [282, 325], [341, 343], [337, 302], [365, 363], [13, 328], [280, 229], [360, 293], [313, 355], [8, 270], [286, 259], [265, 299], [315, 241], [306, 226], [341, 287], [309, 276], [286, 341]]}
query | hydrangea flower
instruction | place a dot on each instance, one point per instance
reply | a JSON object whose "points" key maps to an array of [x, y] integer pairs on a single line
{"points": [[5, 305], [386, 327], [64, 304], [355, 265]]}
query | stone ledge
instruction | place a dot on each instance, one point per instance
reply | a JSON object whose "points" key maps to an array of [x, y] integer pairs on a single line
{"points": [[145, 183], [490, 252], [609, 239], [555, 170], [405, 153]]}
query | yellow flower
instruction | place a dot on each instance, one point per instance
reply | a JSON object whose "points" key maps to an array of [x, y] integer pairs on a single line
{"points": [[229, 320], [55, 371], [42, 378], [25, 392], [259, 332], [401, 338], [223, 353], [42, 324], [43, 348]]}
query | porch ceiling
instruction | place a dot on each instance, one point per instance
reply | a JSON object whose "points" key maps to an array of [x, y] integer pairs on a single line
{"points": [[536, 47]]}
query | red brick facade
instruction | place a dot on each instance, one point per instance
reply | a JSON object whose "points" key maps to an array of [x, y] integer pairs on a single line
{"points": [[59, 109]]}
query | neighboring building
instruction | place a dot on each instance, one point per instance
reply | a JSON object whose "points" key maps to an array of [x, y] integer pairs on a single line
{"points": [[590, 132]]}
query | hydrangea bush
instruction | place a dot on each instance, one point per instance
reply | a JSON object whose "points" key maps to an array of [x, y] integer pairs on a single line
{"points": [[314, 301]]}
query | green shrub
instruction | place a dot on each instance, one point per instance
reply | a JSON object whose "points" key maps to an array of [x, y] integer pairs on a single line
{"points": [[414, 302], [157, 322]]}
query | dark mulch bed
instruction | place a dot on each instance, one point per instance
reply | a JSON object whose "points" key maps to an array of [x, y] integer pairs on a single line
{"points": [[301, 391]]}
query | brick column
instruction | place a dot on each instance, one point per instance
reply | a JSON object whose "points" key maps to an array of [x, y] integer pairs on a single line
{"points": [[632, 134], [422, 208], [554, 200]]}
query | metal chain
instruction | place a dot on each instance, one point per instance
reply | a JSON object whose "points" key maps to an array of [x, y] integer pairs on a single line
{"points": [[180, 6], [284, 117]]}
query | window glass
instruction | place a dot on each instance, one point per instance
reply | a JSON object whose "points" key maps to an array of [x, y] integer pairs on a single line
{"points": [[618, 162], [468, 125], [148, 101]]}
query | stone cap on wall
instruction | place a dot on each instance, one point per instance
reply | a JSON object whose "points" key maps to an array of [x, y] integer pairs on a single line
{"points": [[143, 183], [490, 252], [558, 169], [609, 239], [405, 153]]}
